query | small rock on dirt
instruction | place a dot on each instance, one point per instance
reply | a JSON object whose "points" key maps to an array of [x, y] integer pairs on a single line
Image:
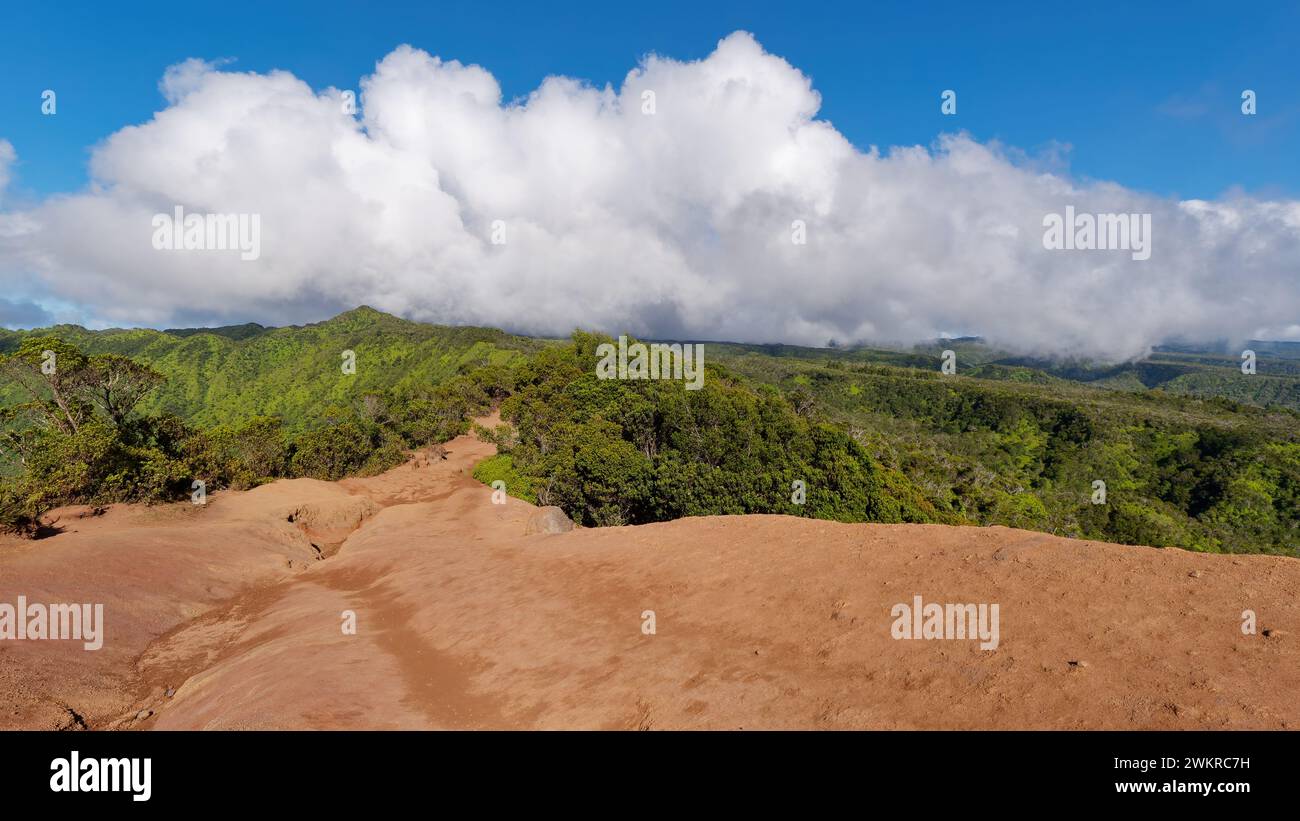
{"points": [[549, 519]]}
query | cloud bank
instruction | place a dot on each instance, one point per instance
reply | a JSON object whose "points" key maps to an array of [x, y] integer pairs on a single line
{"points": [[676, 223]]}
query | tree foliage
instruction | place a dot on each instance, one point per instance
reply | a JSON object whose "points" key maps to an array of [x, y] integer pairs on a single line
{"points": [[616, 452]]}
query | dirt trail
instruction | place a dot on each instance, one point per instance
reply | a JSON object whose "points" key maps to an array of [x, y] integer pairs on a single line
{"points": [[760, 621]]}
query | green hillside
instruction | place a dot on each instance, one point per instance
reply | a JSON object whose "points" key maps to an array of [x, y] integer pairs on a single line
{"points": [[1012, 445], [231, 375], [1183, 371]]}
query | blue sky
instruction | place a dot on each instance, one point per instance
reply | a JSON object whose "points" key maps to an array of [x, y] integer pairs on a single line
{"points": [[672, 225], [1143, 95]]}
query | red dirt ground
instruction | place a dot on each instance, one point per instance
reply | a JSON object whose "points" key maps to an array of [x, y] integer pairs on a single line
{"points": [[760, 621]]}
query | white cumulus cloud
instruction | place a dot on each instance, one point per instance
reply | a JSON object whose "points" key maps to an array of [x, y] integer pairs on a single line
{"points": [[672, 223]]}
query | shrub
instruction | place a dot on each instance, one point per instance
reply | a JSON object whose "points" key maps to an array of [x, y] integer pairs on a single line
{"points": [[621, 452], [331, 452]]}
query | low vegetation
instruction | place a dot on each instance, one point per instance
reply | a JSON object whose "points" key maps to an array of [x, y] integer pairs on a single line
{"points": [[614, 452]]}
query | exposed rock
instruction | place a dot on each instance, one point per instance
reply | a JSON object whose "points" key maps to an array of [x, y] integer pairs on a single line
{"points": [[549, 519], [72, 719]]}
